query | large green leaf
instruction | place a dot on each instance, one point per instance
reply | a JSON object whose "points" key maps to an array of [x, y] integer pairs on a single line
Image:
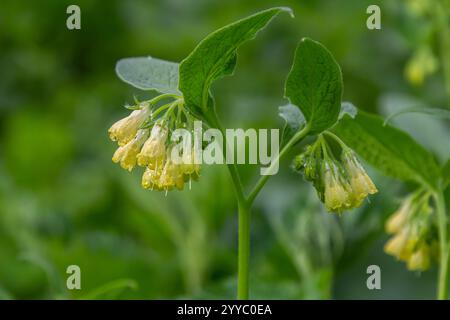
{"points": [[314, 84], [388, 149], [215, 57], [438, 113], [147, 73]]}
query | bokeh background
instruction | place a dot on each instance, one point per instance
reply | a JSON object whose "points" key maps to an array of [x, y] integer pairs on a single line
{"points": [[63, 202]]}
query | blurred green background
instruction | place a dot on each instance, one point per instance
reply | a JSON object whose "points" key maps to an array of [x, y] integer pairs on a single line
{"points": [[63, 202]]}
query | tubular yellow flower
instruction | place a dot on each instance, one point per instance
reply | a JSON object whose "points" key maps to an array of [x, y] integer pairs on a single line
{"points": [[420, 260], [422, 64], [360, 182], [124, 130], [398, 220], [153, 152], [402, 245], [127, 153], [396, 245], [337, 197], [414, 73], [150, 179], [171, 176], [189, 165]]}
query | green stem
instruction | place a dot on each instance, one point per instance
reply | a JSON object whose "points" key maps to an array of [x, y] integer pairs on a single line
{"points": [[164, 96], [262, 181], [444, 247], [244, 222], [244, 206], [243, 252], [232, 168]]}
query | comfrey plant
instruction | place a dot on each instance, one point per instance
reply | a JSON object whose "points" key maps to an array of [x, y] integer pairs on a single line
{"points": [[148, 137]]}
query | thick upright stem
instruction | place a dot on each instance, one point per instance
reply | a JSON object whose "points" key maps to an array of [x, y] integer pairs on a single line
{"points": [[444, 247], [244, 253], [244, 206]]}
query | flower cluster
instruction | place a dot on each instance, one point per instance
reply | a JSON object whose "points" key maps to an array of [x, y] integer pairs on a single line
{"points": [[341, 182], [421, 65], [143, 139], [414, 238]]}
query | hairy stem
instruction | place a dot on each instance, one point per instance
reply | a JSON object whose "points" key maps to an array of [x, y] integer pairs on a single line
{"points": [[232, 168], [244, 206], [442, 293], [262, 181], [243, 252]]}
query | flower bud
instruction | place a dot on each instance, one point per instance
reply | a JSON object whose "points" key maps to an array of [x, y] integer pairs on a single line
{"points": [[337, 197]]}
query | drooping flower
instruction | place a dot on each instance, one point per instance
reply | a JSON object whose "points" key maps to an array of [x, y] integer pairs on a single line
{"points": [[411, 227], [422, 64], [360, 182], [150, 179], [401, 245], [171, 176], [127, 154], [190, 164], [341, 182], [153, 152], [420, 259], [399, 218], [143, 139], [124, 130], [337, 197]]}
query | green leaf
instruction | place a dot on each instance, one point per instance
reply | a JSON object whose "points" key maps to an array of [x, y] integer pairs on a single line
{"points": [[147, 73], [388, 149], [215, 57], [433, 133], [439, 113], [294, 120], [314, 84]]}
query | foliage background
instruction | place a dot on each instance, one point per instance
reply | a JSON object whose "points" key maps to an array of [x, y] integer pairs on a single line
{"points": [[63, 202]]}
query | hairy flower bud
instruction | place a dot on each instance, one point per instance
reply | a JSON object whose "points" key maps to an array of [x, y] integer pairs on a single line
{"points": [[337, 197]]}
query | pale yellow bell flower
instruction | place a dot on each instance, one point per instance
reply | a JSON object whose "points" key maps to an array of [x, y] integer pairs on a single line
{"points": [[153, 152], [150, 179], [124, 130], [401, 245], [360, 182], [337, 197], [127, 154], [171, 176], [420, 260], [399, 218]]}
